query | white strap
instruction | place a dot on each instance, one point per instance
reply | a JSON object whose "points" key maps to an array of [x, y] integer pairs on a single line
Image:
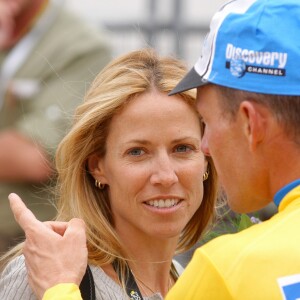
{"points": [[179, 268]]}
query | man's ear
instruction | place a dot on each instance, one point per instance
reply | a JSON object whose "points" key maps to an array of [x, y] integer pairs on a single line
{"points": [[254, 119], [96, 168]]}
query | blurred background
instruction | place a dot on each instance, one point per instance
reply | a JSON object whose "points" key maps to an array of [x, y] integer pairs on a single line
{"points": [[175, 27]]}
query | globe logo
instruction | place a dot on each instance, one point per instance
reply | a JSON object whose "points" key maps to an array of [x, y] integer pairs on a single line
{"points": [[237, 67]]}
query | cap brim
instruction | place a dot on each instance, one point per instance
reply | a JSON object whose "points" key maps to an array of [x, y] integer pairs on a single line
{"points": [[190, 81]]}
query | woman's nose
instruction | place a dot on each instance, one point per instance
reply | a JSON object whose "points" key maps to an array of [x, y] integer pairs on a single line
{"points": [[164, 172]]}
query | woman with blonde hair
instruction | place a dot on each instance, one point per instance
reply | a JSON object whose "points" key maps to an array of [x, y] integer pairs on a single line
{"points": [[132, 169]]}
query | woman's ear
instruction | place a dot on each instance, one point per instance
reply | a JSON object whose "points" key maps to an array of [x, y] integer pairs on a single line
{"points": [[96, 168], [206, 169]]}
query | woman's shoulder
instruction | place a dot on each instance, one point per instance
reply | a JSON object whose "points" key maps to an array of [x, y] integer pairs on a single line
{"points": [[105, 286], [13, 281], [18, 261]]}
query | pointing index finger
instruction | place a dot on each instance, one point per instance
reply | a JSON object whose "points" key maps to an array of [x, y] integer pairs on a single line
{"points": [[22, 214]]}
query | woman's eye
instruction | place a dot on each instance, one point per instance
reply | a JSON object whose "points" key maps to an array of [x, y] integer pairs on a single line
{"points": [[136, 152], [183, 148]]}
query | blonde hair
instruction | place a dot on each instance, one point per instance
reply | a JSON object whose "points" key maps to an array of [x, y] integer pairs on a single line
{"points": [[77, 196], [124, 78]]}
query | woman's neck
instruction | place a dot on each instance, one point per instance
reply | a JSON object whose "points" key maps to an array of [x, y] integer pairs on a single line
{"points": [[150, 263], [152, 277], [150, 258], [150, 246]]}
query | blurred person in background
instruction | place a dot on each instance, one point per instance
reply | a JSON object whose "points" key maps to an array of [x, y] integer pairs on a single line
{"points": [[48, 57]]}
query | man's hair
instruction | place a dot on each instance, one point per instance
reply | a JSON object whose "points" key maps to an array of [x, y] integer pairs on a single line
{"points": [[286, 109]]}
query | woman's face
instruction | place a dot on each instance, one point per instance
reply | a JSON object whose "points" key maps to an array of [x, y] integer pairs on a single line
{"points": [[153, 166]]}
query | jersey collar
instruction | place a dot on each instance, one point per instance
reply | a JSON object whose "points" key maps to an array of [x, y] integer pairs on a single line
{"points": [[282, 192]]}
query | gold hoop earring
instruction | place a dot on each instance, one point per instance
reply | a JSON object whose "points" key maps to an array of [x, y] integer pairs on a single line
{"points": [[205, 175], [99, 185]]}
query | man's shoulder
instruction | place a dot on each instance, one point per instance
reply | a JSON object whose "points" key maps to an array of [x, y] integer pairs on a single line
{"points": [[253, 245], [241, 245]]}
